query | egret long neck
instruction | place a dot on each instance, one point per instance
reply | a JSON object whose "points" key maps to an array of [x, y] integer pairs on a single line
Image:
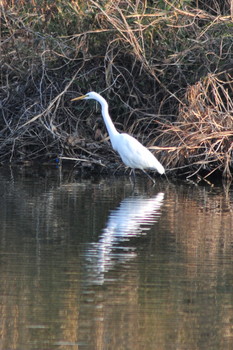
{"points": [[108, 121]]}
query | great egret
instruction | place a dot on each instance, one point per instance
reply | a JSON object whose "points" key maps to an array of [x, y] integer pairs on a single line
{"points": [[131, 151]]}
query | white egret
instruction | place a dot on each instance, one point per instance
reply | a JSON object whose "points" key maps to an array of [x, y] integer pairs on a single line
{"points": [[131, 151]]}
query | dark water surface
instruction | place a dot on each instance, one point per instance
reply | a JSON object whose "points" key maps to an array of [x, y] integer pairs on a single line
{"points": [[92, 264]]}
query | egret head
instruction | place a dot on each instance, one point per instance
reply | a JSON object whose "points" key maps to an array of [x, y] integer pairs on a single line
{"points": [[89, 96]]}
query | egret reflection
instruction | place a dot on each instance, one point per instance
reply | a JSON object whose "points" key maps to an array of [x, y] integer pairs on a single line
{"points": [[133, 218]]}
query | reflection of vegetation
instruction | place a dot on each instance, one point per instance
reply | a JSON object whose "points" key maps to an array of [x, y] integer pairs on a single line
{"points": [[167, 62]]}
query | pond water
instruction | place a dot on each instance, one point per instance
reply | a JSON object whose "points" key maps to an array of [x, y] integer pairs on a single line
{"points": [[97, 264]]}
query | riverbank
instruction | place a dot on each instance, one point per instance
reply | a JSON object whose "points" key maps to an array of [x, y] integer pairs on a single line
{"points": [[165, 69]]}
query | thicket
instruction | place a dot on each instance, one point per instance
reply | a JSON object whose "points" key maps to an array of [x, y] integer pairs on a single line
{"points": [[165, 67]]}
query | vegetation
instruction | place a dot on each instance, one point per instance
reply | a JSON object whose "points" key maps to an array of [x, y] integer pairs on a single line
{"points": [[164, 66]]}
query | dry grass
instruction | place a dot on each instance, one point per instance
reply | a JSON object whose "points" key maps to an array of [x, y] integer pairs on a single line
{"points": [[202, 136], [165, 68]]}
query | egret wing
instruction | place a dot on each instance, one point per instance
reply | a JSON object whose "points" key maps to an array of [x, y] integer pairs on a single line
{"points": [[134, 154]]}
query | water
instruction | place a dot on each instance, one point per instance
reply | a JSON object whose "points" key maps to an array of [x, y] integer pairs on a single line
{"points": [[94, 264]]}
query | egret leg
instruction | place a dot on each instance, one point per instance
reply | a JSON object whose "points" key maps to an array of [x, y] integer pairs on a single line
{"points": [[149, 176], [132, 171]]}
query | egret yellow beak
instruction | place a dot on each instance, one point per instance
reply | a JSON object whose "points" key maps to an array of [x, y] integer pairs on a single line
{"points": [[79, 98]]}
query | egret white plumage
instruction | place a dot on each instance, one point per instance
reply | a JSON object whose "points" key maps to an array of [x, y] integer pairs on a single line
{"points": [[131, 151]]}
